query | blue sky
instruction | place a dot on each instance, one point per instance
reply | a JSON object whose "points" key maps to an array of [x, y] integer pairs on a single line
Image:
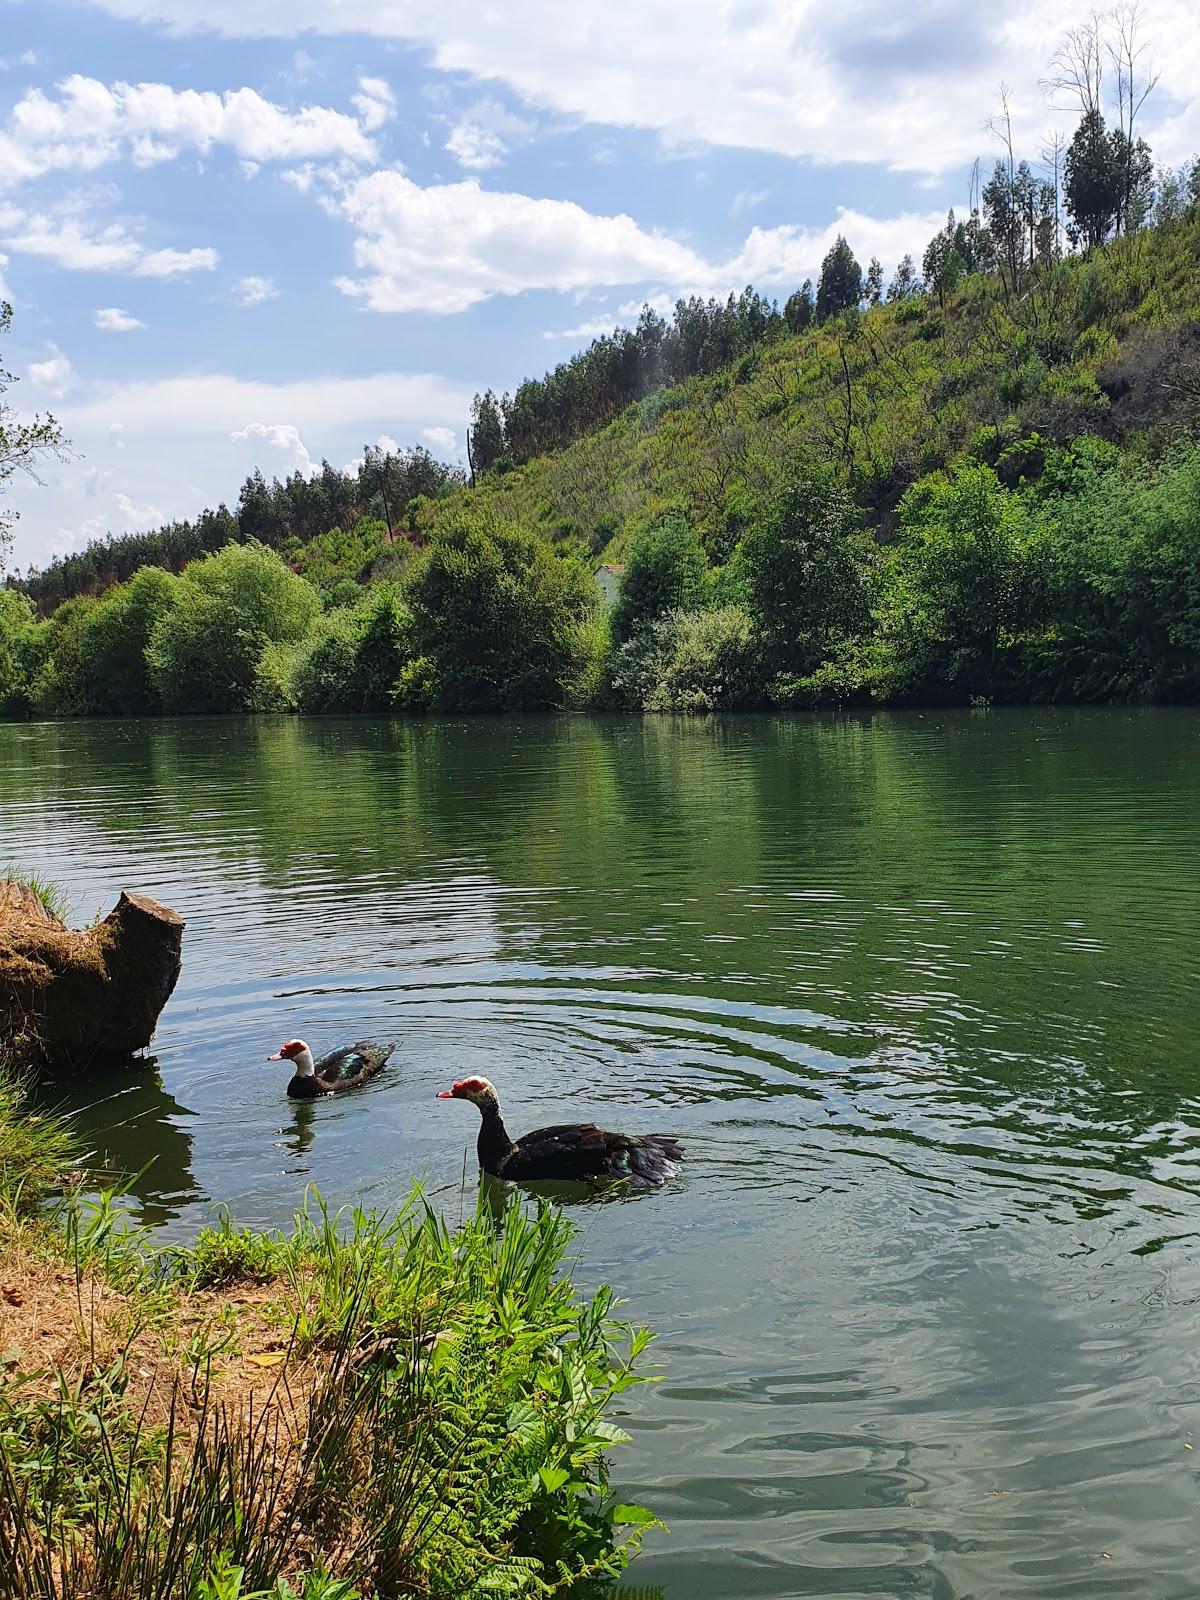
{"points": [[263, 232]]}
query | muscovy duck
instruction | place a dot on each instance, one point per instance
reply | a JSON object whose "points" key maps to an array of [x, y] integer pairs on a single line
{"points": [[571, 1150], [340, 1070]]}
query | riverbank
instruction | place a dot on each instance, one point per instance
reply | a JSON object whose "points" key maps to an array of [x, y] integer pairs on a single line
{"points": [[365, 1405]]}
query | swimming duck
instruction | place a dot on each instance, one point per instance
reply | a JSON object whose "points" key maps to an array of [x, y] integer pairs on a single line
{"points": [[340, 1070], [578, 1150]]}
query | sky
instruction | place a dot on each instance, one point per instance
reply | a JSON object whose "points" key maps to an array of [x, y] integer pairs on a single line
{"points": [[241, 233]]}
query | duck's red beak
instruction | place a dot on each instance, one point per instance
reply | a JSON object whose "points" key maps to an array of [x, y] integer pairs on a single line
{"points": [[446, 1094], [278, 1056]]}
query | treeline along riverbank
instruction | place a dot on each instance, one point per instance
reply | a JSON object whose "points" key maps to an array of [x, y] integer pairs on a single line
{"points": [[981, 482]]}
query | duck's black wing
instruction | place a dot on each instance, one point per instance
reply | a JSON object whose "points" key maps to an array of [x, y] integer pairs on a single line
{"points": [[353, 1064], [582, 1150]]}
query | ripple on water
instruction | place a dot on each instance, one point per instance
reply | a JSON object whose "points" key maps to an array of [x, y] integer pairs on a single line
{"points": [[917, 993]]}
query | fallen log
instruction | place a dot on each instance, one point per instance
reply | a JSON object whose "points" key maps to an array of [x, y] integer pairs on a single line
{"points": [[73, 998]]}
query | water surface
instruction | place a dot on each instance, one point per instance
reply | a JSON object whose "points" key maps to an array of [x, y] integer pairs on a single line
{"points": [[919, 993]]}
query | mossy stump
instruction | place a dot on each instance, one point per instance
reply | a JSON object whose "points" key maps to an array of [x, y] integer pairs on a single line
{"points": [[71, 999]]}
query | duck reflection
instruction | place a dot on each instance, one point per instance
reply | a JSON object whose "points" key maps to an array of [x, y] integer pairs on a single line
{"points": [[298, 1135]]}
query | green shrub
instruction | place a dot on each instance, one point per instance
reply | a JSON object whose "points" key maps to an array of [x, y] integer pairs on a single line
{"points": [[23, 651], [497, 617], [664, 570], [805, 562], [688, 661], [351, 660], [960, 589], [112, 650], [204, 650], [60, 687], [229, 1254]]}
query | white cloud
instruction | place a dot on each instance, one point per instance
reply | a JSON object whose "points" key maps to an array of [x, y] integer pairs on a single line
{"points": [[4, 289], [594, 329], [56, 375], [252, 291], [444, 439], [211, 406], [113, 320], [385, 442], [450, 246], [67, 241], [374, 102], [778, 256], [485, 133], [909, 88], [86, 123], [476, 148], [281, 436], [137, 516], [68, 539]]}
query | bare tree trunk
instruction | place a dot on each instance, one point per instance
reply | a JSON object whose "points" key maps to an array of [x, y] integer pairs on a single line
{"points": [[69, 999]]}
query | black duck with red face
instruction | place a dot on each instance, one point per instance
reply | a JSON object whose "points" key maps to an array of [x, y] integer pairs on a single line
{"points": [[335, 1073], [570, 1150]]}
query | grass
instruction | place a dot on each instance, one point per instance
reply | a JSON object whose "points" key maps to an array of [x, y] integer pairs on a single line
{"points": [[36, 1151], [52, 895], [363, 1406]]}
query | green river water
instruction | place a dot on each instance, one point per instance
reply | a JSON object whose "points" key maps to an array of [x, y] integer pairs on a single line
{"points": [[918, 992]]}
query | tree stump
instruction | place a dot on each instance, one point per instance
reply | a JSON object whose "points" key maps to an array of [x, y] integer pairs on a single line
{"points": [[71, 999]]}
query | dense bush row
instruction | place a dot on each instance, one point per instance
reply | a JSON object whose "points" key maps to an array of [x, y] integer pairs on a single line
{"points": [[1028, 571]]}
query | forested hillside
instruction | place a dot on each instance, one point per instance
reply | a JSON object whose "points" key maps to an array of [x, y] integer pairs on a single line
{"points": [[978, 482]]}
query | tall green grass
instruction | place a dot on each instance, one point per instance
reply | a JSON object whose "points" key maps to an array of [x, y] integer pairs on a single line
{"points": [[36, 1148], [453, 1446]]}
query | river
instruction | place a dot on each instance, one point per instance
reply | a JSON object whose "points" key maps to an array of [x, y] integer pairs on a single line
{"points": [[918, 992]]}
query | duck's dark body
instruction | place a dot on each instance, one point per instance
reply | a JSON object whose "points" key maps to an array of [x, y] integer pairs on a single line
{"points": [[573, 1150], [340, 1070]]}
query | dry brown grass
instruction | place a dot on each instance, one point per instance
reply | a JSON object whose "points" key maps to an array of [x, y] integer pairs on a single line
{"points": [[226, 1347]]}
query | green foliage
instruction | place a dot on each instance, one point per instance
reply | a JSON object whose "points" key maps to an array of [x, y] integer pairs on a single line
{"points": [[1014, 357], [351, 660], [962, 588], [36, 1149], [450, 1439], [664, 571], [841, 284], [23, 648], [804, 562], [229, 1254], [60, 687], [114, 676], [497, 617], [1124, 552], [688, 661], [204, 650], [333, 557]]}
